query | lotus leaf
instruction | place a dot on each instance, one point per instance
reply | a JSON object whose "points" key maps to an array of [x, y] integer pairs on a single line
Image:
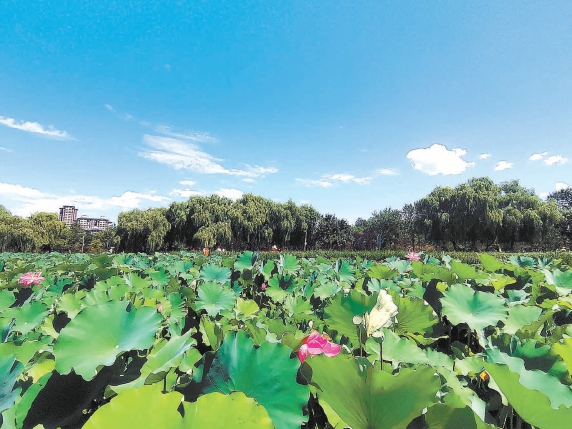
{"points": [[240, 412], [214, 298], [266, 373], [144, 407], [461, 304], [99, 333], [374, 398]]}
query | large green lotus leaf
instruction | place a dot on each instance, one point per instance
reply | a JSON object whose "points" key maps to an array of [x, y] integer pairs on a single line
{"points": [[477, 309], [71, 303], [346, 272], [244, 261], [9, 371], [414, 316], [136, 282], [214, 298], [492, 264], [561, 279], [558, 393], [533, 406], [374, 398], [395, 349], [520, 316], [428, 272], [164, 356], [99, 333], [25, 351], [159, 278], [145, 407], [326, 290], [266, 374], [522, 261], [441, 416], [6, 299], [381, 272], [218, 411], [216, 274], [339, 314], [246, 309], [564, 350], [465, 272], [289, 264], [28, 316]]}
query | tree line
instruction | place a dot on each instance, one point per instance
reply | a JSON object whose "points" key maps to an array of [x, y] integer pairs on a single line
{"points": [[476, 215], [43, 232]]}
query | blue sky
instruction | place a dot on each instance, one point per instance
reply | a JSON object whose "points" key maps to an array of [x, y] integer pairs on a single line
{"points": [[349, 106]]}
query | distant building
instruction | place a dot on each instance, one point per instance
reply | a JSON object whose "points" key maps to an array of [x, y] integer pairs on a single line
{"points": [[68, 214], [94, 224]]}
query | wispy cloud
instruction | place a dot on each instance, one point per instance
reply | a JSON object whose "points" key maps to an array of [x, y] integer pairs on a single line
{"points": [[561, 185], [503, 165], [185, 193], [437, 159], [180, 154], [196, 136], [233, 194], [322, 183], [537, 156], [387, 172], [484, 155], [109, 107], [5, 149], [187, 182], [328, 180], [555, 159], [31, 200], [35, 128]]}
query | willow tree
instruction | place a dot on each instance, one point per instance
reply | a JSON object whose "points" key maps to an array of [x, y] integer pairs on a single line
{"points": [[142, 230], [16, 234]]}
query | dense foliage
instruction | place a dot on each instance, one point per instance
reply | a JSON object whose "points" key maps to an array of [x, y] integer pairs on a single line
{"points": [[173, 341], [477, 215]]}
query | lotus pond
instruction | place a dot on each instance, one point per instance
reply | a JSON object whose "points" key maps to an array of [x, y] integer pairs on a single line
{"points": [[186, 341]]}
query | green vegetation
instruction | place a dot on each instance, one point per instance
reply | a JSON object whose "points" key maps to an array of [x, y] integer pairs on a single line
{"points": [[474, 216], [191, 341]]}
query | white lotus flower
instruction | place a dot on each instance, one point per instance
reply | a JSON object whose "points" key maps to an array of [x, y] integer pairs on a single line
{"points": [[379, 316]]}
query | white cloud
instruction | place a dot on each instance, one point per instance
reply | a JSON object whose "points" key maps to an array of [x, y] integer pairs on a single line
{"points": [[437, 159], [561, 185], [233, 194], [347, 178], [197, 136], [185, 193], [109, 107], [503, 165], [387, 172], [34, 127], [321, 183], [248, 180], [543, 195], [30, 200], [186, 182], [5, 149], [185, 155], [484, 155], [132, 200], [537, 156], [555, 159]]}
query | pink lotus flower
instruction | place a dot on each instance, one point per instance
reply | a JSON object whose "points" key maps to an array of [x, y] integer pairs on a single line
{"points": [[316, 344], [263, 286], [412, 256], [31, 278]]}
